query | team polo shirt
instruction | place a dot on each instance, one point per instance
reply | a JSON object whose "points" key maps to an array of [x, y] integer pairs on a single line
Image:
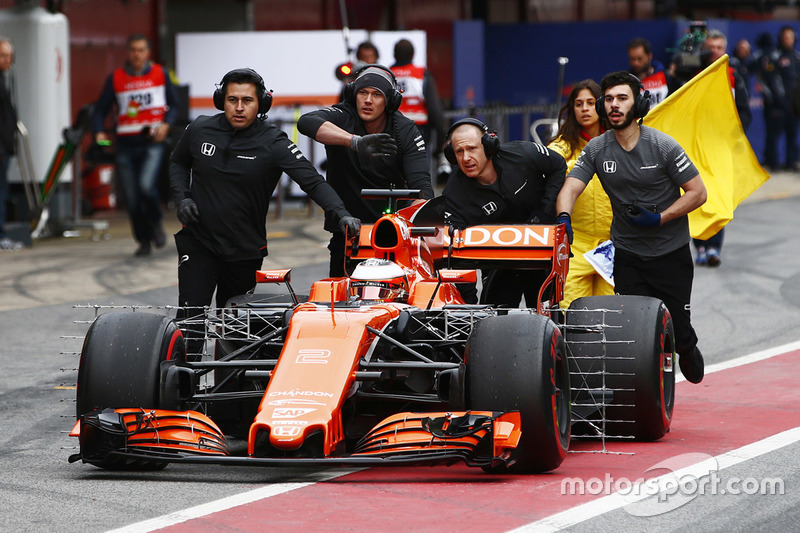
{"points": [[652, 173]]}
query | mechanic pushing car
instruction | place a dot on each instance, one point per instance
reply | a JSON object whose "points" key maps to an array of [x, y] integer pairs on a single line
{"points": [[643, 171], [500, 183], [369, 145], [223, 172]]}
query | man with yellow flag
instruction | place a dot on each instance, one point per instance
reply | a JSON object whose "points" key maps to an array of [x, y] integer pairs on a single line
{"points": [[643, 172]]}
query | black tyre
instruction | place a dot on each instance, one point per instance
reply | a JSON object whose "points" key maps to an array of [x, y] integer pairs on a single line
{"points": [[639, 379], [120, 367], [518, 362]]}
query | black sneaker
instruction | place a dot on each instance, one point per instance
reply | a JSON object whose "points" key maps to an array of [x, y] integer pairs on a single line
{"points": [[692, 365], [159, 238], [143, 250]]}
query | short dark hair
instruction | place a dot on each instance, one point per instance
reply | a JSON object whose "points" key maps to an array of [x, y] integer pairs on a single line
{"points": [[621, 77], [138, 37], [403, 51], [367, 45], [641, 41], [243, 75]]}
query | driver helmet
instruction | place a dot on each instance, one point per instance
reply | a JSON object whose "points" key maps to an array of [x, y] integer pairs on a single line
{"points": [[380, 280]]}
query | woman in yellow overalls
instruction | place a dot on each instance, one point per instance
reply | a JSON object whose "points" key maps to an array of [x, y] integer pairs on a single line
{"points": [[591, 217]]}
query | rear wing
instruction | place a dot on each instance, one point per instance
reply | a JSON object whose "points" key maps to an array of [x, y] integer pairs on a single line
{"points": [[432, 248]]}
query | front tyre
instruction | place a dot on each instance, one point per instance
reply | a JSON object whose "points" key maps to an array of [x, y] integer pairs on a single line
{"points": [[120, 367], [518, 362]]}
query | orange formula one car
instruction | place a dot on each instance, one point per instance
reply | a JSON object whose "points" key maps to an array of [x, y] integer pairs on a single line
{"points": [[388, 366]]}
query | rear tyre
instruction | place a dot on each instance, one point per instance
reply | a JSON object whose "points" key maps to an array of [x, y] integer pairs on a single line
{"points": [[639, 345], [120, 367], [518, 362]]}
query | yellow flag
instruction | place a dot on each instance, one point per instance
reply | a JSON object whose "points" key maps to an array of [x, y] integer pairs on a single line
{"points": [[702, 117]]}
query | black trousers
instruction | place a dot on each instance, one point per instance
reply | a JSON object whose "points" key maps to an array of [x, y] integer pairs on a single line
{"points": [[200, 272], [506, 287], [667, 277]]}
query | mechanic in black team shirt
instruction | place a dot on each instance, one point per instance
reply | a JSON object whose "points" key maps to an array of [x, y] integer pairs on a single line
{"points": [[370, 145], [223, 172], [643, 171], [500, 183]]}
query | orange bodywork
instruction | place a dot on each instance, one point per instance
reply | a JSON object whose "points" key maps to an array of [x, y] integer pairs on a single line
{"points": [[315, 371]]}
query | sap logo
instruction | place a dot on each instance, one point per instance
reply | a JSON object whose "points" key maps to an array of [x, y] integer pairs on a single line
{"points": [[208, 149], [289, 423], [283, 412], [286, 431], [507, 236], [609, 167], [313, 357]]}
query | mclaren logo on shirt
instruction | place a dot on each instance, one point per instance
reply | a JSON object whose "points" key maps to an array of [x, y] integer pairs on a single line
{"points": [[489, 208], [208, 149], [609, 167]]}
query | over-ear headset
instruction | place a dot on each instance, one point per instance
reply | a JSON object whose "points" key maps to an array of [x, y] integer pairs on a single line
{"points": [[489, 139], [248, 75], [641, 102], [393, 100]]}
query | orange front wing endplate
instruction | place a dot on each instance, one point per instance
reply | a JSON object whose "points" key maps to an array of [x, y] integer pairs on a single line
{"points": [[158, 437]]}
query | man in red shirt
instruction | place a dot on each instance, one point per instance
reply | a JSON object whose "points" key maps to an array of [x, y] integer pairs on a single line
{"points": [[420, 97], [147, 104]]}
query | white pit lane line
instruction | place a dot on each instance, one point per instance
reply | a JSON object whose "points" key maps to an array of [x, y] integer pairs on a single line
{"points": [[227, 503], [568, 518], [612, 502]]}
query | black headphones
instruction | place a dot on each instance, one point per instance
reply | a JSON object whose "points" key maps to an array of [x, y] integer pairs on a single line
{"points": [[393, 100], [489, 139], [248, 75], [641, 102]]}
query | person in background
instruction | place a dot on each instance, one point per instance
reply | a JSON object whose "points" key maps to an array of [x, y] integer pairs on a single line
{"points": [[370, 145], [776, 70], [366, 54], [8, 131], [591, 216], [420, 98], [741, 60], [788, 67], [709, 251], [147, 105], [643, 171], [651, 72]]}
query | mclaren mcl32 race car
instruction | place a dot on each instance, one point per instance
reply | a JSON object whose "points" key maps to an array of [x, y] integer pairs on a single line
{"points": [[388, 366]]}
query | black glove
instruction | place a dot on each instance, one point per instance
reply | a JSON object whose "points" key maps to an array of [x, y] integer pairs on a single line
{"points": [[350, 226], [374, 145], [188, 212], [539, 217], [642, 217], [566, 219]]}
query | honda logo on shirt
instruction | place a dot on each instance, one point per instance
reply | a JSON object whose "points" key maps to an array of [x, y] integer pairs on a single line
{"points": [[490, 208], [208, 149], [609, 167]]}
